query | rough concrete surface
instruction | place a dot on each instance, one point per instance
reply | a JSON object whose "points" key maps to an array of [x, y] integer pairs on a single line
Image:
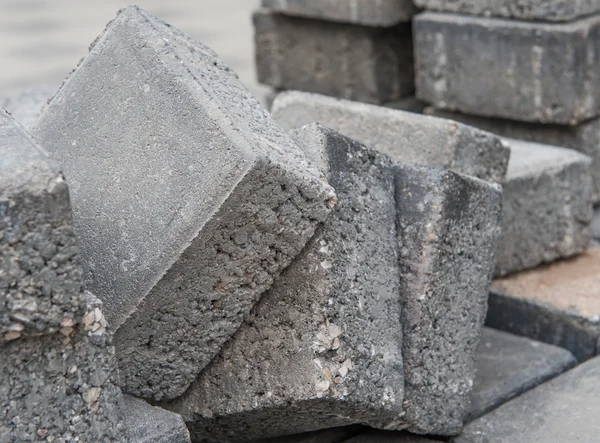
{"points": [[563, 410], [527, 71], [381, 13], [378, 436], [25, 106], [404, 136], [547, 206], [448, 229], [150, 424], [188, 200], [323, 348], [508, 365], [332, 435], [344, 60]]}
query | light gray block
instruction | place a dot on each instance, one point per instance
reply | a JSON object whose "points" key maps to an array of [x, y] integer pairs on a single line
{"points": [[532, 10], [323, 348], [401, 135], [547, 206], [375, 436], [526, 71], [40, 273], [25, 106], [448, 229], [381, 13], [188, 200], [508, 365], [584, 137], [356, 62], [563, 410], [150, 424]]}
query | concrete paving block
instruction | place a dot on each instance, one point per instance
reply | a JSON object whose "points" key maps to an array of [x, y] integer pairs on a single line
{"points": [[584, 137], [448, 230], [557, 304], [150, 424], [377, 436], [188, 200], [40, 273], [404, 136], [532, 10], [508, 365], [547, 206], [356, 62], [562, 410], [382, 13], [25, 106], [526, 71], [333, 435], [323, 348]]}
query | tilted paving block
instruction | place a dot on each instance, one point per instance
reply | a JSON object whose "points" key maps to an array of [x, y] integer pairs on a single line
{"points": [[362, 12], [562, 410], [527, 71], [188, 200], [356, 62], [150, 424], [332, 435], [323, 348], [557, 304], [508, 365], [448, 230], [533, 10], [547, 206], [376, 436], [404, 136], [26, 105]]}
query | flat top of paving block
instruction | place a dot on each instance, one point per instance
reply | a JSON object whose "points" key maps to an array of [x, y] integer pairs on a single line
{"points": [[150, 424], [562, 410], [572, 286], [362, 12]]}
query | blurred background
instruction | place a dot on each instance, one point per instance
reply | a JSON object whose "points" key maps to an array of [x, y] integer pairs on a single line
{"points": [[41, 41]]}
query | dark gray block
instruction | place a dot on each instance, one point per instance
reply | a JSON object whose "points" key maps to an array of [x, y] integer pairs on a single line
{"points": [[547, 206], [323, 348], [563, 410], [333, 435], [151, 424], [584, 137], [188, 200], [401, 135], [375, 436], [356, 62], [361, 12], [508, 365], [542, 10], [448, 229], [527, 71], [25, 106], [596, 224]]}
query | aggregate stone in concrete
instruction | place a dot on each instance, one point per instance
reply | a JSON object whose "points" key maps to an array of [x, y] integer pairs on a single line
{"points": [[382, 13], [344, 60], [526, 71], [584, 137], [150, 424], [323, 348], [508, 365], [540, 10], [562, 410], [448, 230], [378, 436], [188, 200], [547, 206], [557, 304], [40, 273], [404, 136], [25, 106]]}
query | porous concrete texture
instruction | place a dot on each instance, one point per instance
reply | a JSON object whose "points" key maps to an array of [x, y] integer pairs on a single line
{"points": [[40, 273], [323, 348], [25, 105], [177, 248], [508, 365], [61, 386], [404, 136], [382, 13], [532, 10], [547, 206], [584, 137], [344, 60], [448, 229], [562, 410], [526, 71], [557, 304], [377, 436], [150, 424]]}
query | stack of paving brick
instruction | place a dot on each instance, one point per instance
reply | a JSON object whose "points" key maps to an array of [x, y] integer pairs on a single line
{"points": [[529, 70]]}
